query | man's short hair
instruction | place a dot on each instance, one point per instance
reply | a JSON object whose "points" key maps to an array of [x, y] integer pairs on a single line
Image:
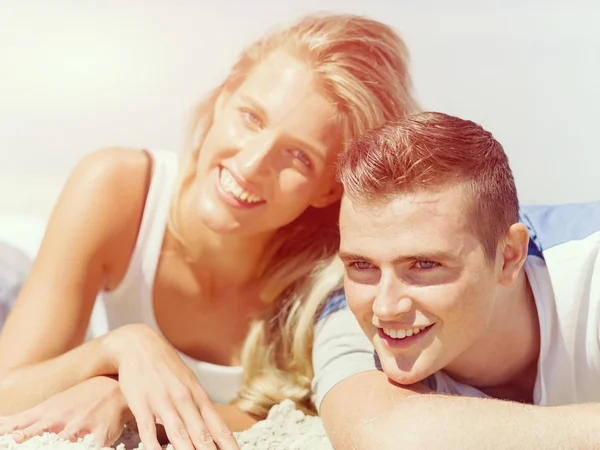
{"points": [[432, 150]]}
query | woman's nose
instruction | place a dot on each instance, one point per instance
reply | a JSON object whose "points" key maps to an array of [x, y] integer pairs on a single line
{"points": [[255, 160]]}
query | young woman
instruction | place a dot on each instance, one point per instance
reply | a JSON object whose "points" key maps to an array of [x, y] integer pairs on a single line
{"points": [[204, 268]]}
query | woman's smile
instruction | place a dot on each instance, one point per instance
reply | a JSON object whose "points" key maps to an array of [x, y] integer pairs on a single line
{"points": [[235, 191]]}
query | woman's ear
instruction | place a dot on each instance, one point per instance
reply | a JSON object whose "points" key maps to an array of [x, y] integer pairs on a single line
{"points": [[330, 196]]}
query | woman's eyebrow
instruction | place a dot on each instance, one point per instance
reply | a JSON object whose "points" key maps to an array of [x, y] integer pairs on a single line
{"points": [[255, 105], [317, 150]]}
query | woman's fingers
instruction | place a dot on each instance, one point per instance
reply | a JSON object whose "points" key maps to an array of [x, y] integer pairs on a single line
{"points": [[206, 428], [220, 432], [109, 434], [19, 436], [146, 428], [177, 432], [8, 425], [199, 433], [36, 429], [73, 433], [16, 422], [218, 429]]}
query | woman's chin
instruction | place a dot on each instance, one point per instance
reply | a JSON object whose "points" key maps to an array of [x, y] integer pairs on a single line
{"points": [[219, 223]]}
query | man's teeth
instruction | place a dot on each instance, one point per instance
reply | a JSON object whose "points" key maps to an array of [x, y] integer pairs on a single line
{"points": [[230, 185], [401, 334]]}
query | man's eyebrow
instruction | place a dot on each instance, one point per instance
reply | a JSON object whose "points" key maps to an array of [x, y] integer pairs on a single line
{"points": [[425, 256], [347, 256], [430, 256]]}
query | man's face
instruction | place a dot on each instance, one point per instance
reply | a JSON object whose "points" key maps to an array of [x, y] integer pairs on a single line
{"points": [[417, 279]]}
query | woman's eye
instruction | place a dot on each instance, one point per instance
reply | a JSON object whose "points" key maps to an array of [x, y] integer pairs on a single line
{"points": [[361, 265], [302, 157], [426, 265], [251, 118]]}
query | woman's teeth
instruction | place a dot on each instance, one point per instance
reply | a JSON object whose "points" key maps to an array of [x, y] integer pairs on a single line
{"points": [[401, 334], [229, 184]]}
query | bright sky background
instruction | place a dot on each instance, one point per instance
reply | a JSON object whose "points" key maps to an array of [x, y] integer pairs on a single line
{"points": [[76, 76]]}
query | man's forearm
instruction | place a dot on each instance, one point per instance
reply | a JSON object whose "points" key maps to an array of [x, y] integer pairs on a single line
{"points": [[367, 412], [431, 421], [25, 387]]}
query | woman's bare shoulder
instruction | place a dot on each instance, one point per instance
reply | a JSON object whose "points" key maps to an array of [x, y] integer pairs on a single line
{"points": [[118, 179]]}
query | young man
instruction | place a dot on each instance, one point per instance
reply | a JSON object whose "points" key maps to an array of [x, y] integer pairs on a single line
{"points": [[461, 292]]}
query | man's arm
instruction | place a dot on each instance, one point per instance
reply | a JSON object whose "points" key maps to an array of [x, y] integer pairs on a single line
{"points": [[361, 409], [366, 411]]}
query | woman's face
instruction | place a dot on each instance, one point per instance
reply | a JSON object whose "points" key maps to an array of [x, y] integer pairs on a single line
{"points": [[270, 152]]}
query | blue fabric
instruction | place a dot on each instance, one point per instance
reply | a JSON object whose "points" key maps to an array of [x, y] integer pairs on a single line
{"points": [[552, 225], [334, 303]]}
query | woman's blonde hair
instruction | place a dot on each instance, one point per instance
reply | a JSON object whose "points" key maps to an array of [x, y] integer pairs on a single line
{"points": [[361, 65]]}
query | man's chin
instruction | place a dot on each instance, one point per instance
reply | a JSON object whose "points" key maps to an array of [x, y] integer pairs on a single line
{"points": [[402, 380], [402, 377]]}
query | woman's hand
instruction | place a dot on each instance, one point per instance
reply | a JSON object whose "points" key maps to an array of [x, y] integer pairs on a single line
{"points": [[95, 406], [160, 388]]}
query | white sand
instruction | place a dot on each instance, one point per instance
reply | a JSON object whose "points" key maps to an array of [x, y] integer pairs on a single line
{"points": [[285, 428]]}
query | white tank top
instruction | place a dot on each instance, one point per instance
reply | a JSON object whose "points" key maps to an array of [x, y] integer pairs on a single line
{"points": [[131, 301]]}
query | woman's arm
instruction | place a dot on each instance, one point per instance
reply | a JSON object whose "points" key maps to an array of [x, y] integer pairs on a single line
{"points": [[235, 418], [26, 386], [95, 406], [89, 240]]}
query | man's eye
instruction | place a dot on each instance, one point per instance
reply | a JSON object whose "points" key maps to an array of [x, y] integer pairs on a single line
{"points": [[426, 265], [301, 156], [361, 265]]}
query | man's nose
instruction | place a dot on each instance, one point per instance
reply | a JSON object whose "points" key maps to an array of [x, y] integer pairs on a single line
{"points": [[392, 299]]}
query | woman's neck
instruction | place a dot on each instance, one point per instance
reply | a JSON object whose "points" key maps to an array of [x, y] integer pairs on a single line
{"points": [[225, 259]]}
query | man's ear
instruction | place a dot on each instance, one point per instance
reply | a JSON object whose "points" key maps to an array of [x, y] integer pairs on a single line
{"points": [[332, 195], [513, 253]]}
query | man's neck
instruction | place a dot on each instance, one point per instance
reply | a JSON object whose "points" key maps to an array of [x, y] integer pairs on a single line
{"points": [[504, 363]]}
